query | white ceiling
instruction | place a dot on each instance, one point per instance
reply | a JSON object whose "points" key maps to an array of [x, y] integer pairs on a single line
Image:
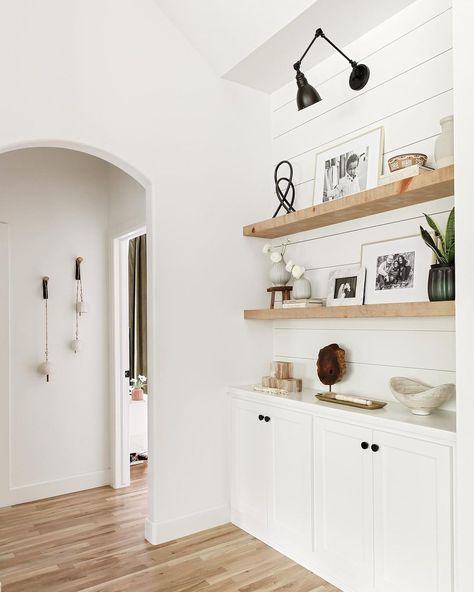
{"points": [[227, 31], [256, 42]]}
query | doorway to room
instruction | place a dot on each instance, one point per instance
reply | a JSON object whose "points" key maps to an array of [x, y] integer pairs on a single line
{"points": [[131, 353]]}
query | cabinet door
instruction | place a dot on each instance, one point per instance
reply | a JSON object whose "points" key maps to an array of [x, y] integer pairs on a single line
{"points": [[344, 503], [250, 467], [291, 476], [412, 497]]}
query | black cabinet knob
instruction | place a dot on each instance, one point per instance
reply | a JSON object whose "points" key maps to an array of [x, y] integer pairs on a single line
{"points": [[267, 419], [364, 445], [260, 417], [375, 447]]}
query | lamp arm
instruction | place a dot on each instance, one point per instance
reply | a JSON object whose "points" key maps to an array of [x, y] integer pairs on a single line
{"points": [[297, 64], [320, 33]]}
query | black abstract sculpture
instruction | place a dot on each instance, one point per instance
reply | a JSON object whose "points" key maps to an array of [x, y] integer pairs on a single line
{"points": [[286, 204]]}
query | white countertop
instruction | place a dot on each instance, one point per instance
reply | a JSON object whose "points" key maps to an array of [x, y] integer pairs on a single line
{"points": [[440, 425]]}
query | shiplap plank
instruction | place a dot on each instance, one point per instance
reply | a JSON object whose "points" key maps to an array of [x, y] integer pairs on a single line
{"points": [[418, 47], [404, 131], [401, 24], [386, 218], [370, 380], [432, 324], [409, 349], [337, 250], [413, 87]]}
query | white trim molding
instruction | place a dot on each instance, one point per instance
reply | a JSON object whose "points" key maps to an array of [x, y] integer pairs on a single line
{"points": [[162, 532], [46, 489]]}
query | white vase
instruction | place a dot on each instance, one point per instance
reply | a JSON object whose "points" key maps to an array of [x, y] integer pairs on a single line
{"points": [[444, 145], [301, 289], [278, 275]]}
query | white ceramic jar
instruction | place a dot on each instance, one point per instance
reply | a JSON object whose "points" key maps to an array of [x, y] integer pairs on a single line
{"points": [[301, 289], [444, 145]]}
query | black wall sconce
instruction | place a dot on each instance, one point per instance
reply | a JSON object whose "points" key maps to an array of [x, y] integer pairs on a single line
{"points": [[307, 95]]}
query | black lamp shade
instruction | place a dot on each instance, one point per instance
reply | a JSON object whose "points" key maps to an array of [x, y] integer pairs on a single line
{"points": [[359, 77], [307, 95]]}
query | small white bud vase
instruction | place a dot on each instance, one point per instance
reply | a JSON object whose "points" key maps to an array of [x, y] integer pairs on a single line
{"points": [[444, 145], [279, 276], [301, 289]]}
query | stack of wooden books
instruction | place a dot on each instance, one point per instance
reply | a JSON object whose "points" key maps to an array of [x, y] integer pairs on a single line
{"points": [[304, 302]]}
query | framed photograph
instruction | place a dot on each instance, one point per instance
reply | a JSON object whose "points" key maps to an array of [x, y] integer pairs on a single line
{"points": [[397, 270], [346, 286], [349, 168]]}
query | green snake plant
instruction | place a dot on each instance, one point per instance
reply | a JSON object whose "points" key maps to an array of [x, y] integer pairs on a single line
{"points": [[442, 246]]}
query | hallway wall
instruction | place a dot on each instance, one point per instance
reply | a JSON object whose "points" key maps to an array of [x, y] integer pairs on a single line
{"points": [[56, 205], [103, 80]]}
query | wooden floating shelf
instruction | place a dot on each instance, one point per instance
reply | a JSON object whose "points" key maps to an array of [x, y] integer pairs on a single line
{"points": [[408, 192], [408, 309]]}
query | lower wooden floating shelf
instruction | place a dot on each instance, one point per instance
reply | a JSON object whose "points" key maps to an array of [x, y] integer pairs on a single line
{"points": [[406, 309]]}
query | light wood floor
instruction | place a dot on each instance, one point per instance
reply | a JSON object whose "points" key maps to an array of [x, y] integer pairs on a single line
{"points": [[93, 541]]}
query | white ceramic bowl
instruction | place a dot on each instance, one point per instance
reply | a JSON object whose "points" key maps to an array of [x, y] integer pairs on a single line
{"points": [[420, 398]]}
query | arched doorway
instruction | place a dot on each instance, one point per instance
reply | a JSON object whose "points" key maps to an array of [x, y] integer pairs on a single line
{"points": [[7, 496]]}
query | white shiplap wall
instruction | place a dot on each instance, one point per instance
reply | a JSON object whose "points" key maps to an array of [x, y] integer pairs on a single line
{"points": [[410, 57]]}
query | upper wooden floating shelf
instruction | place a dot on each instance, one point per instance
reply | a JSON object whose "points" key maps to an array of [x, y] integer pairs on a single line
{"points": [[408, 192], [406, 309]]}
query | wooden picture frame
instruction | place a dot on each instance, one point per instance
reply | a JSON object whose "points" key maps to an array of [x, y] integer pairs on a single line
{"points": [[350, 167]]}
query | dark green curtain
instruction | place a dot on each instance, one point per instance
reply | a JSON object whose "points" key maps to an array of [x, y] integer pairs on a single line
{"points": [[137, 298]]}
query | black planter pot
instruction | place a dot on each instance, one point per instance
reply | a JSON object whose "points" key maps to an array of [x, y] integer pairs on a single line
{"points": [[441, 283]]}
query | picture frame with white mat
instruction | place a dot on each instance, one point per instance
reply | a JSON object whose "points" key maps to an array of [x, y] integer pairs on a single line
{"points": [[346, 286], [349, 167], [397, 270]]}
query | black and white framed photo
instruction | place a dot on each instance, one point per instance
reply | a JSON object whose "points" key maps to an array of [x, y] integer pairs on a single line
{"points": [[346, 286], [397, 270], [349, 168]]}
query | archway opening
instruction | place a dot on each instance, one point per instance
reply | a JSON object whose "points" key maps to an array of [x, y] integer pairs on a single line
{"points": [[58, 202]]}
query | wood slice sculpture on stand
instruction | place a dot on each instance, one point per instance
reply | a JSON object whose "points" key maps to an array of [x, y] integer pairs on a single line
{"points": [[331, 368], [331, 364]]}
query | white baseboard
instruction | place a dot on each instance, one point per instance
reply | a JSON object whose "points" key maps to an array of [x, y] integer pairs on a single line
{"points": [[162, 532], [37, 491]]}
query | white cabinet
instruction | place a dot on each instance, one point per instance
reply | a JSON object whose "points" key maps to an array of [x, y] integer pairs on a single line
{"points": [[291, 478], [383, 509], [344, 502], [412, 503], [272, 474], [380, 490], [250, 467]]}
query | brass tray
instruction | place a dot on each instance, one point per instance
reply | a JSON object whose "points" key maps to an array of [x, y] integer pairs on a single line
{"points": [[331, 398]]}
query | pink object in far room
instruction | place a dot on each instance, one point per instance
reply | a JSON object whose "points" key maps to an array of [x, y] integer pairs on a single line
{"points": [[137, 394]]}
